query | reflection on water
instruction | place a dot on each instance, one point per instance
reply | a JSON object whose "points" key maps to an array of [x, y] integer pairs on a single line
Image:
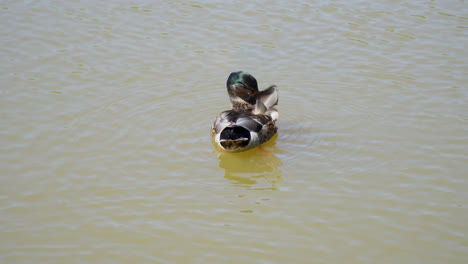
{"points": [[247, 168]]}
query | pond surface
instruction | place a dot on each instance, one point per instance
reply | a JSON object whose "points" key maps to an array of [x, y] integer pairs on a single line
{"points": [[105, 147]]}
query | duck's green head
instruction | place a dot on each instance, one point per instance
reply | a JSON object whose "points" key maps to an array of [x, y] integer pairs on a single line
{"points": [[242, 88]]}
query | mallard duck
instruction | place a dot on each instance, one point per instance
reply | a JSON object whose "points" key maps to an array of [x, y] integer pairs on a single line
{"points": [[251, 121]]}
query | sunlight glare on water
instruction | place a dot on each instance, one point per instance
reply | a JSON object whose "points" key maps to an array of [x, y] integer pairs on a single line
{"points": [[105, 144]]}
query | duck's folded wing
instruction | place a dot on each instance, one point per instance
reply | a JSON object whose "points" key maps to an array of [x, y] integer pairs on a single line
{"points": [[253, 123], [269, 96], [222, 121], [259, 108]]}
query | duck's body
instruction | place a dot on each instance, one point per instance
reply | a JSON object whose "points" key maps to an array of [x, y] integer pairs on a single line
{"points": [[252, 119]]}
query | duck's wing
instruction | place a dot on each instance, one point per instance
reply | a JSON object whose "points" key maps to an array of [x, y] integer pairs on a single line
{"points": [[226, 118], [253, 123], [259, 108], [269, 96], [221, 122]]}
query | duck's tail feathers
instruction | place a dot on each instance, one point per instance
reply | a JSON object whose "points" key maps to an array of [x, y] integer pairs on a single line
{"points": [[234, 137], [269, 97]]}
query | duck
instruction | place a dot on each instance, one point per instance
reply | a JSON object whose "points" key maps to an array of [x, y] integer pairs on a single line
{"points": [[252, 119]]}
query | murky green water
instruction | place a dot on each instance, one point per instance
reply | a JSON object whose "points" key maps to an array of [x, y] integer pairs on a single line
{"points": [[106, 110]]}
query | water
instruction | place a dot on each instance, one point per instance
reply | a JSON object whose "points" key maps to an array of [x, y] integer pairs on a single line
{"points": [[106, 112]]}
